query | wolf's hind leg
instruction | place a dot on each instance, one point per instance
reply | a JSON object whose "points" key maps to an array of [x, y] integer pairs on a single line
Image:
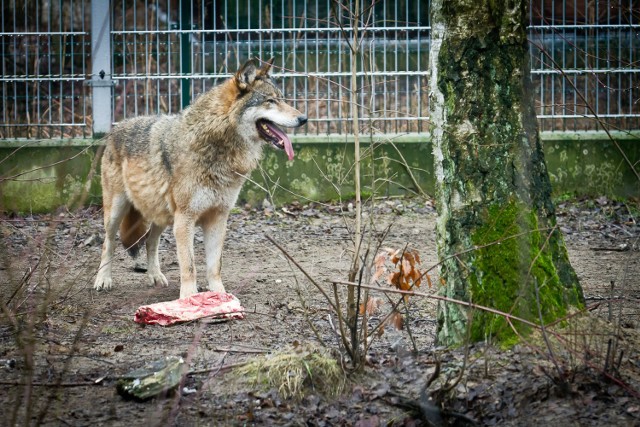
{"points": [[153, 264], [214, 227], [114, 210]]}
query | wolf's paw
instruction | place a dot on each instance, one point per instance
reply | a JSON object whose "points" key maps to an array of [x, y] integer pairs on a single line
{"points": [[157, 278], [188, 289], [102, 282], [215, 286]]}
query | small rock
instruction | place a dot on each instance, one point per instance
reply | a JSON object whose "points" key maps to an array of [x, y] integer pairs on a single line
{"points": [[89, 241]]}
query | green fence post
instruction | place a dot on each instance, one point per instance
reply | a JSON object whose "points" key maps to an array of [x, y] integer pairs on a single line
{"points": [[186, 25]]}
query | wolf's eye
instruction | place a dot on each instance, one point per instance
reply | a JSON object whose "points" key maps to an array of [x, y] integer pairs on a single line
{"points": [[272, 101]]}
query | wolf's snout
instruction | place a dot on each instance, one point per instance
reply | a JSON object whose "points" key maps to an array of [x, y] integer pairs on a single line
{"points": [[302, 120]]}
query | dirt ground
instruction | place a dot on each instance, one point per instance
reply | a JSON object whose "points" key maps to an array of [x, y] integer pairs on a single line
{"points": [[63, 346]]}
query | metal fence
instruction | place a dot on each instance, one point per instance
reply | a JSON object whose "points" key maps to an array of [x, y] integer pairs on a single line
{"points": [[67, 73], [44, 47]]}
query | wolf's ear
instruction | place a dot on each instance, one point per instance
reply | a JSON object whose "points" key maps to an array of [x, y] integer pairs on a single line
{"points": [[246, 75], [264, 70]]}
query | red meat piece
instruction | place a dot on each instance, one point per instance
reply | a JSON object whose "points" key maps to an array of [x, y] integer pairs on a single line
{"points": [[219, 305]]}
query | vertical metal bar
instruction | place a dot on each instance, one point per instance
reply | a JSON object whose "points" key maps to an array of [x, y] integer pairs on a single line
{"points": [[328, 83], [26, 71], [147, 64], [385, 89], [38, 94], [317, 68], [306, 60], [215, 36], [249, 28], [123, 40], [540, 61], [597, 59], [620, 64], [169, 58], [563, 107], [3, 54], [631, 61], [185, 51], [342, 124], [156, 41], [50, 83], [552, 77], [395, 62], [61, 40], [608, 88], [84, 70], [15, 70], [407, 122], [203, 48], [589, 61], [101, 67], [135, 59], [226, 38], [72, 82], [237, 49], [260, 43], [575, 65], [295, 56], [419, 68]]}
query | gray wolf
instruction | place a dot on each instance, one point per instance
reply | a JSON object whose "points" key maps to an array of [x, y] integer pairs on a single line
{"points": [[187, 170]]}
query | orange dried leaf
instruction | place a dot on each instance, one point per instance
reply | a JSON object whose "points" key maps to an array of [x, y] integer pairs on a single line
{"points": [[406, 267], [377, 274], [394, 257], [409, 257], [372, 305], [394, 279], [396, 320], [380, 260], [405, 285]]}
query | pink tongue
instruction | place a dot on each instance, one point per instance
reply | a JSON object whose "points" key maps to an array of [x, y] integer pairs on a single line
{"points": [[288, 147]]}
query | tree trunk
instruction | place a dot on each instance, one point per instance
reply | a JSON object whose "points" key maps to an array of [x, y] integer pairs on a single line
{"points": [[496, 228]]}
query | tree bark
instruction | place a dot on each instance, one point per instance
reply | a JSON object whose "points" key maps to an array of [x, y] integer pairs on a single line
{"points": [[496, 228]]}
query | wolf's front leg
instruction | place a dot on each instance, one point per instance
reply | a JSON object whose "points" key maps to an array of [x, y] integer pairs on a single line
{"points": [[214, 226], [184, 230]]}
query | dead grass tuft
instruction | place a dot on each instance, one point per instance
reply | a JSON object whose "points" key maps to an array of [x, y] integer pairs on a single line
{"points": [[293, 371]]}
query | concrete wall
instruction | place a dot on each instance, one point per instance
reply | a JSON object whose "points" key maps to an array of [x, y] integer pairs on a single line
{"points": [[43, 176]]}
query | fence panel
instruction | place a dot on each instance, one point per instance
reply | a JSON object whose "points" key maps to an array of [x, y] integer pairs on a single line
{"points": [[45, 48], [585, 60]]}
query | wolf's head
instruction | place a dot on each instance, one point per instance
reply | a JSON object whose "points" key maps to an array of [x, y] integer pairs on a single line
{"points": [[263, 109]]}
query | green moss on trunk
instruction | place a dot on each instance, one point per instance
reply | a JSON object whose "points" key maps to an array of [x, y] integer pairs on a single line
{"points": [[515, 272]]}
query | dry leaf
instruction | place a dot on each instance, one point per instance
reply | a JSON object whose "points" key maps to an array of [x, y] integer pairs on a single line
{"points": [[396, 320], [372, 305]]}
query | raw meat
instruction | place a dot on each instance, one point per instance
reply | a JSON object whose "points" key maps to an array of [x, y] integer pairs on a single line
{"points": [[218, 305]]}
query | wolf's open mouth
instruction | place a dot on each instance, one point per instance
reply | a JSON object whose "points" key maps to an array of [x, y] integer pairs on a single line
{"points": [[273, 134]]}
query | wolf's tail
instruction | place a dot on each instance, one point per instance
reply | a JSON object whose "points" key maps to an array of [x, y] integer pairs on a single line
{"points": [[133, 230]]}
